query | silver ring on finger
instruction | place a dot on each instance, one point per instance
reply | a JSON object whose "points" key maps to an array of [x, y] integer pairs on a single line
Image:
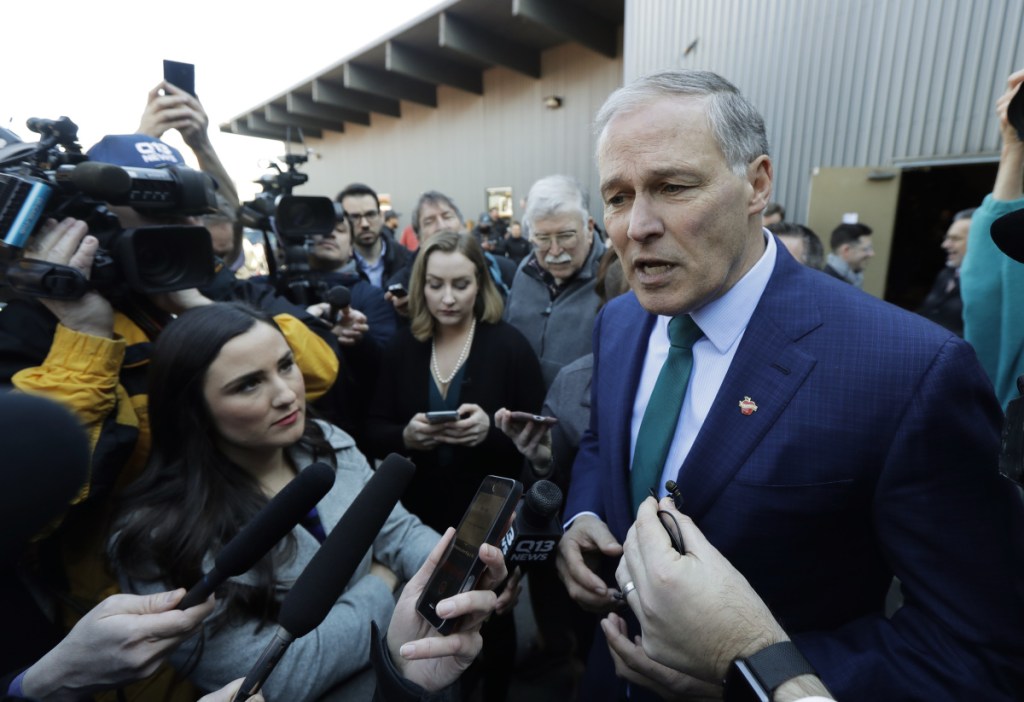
{"points": [[628, 588]]}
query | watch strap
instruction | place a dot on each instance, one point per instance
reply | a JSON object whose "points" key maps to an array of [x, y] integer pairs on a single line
{"points": [[775, 664]]}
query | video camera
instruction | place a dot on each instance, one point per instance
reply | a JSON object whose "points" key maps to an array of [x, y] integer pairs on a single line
{"points": [[53, 178], [295, 220]]}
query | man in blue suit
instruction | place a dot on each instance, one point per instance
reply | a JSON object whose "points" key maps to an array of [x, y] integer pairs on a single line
{"points": [[826, 441]]}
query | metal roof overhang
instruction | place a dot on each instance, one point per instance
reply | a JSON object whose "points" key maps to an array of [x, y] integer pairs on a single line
{"points": [[450, 45]]}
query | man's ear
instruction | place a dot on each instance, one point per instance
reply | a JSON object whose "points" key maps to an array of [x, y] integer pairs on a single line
{"points": [[760, 175]]}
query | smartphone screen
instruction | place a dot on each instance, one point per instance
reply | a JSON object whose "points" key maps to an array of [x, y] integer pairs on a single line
{"points": [[486, 521], [442, 417], [181, 75], [527, 417]]}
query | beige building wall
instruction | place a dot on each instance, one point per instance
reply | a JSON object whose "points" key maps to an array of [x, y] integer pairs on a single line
{"points": [[506, 137]]}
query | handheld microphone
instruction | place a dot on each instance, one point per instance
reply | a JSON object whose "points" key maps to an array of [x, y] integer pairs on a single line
{"points": [[269, 526], [537, 529], [339, 297], [40, 476], [328, 572]]}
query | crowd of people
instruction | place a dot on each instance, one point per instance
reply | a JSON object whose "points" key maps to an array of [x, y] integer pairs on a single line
{"points": [[754, 453]]}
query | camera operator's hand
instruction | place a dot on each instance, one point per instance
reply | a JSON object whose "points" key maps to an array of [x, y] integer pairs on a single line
{"points": [[399, 302], [68, 243], [352, 324]]}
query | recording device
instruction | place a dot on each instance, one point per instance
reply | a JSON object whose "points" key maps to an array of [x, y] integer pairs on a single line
{"points": [[339, 297], [486, 521], [293, 220], [442, 417], [277, 518], [53, 178], [328, 572], [181, 75], [528, 417], [398, 290], [537, 528]]}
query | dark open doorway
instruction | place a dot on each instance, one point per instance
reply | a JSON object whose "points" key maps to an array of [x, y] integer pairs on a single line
{"points": [[929, 197]]}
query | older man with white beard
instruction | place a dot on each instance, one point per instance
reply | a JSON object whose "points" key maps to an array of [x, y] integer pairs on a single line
{"points": [[553, 302]]}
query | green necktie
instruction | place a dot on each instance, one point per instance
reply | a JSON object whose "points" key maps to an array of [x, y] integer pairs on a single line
{"points": [[662, 414]]}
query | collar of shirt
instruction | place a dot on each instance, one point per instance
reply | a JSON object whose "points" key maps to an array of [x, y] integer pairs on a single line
{"points": [[374, 272], [723, 322]]}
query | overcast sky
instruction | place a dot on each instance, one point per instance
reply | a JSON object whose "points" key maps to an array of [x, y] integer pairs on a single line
{"points": [[96, 61]]}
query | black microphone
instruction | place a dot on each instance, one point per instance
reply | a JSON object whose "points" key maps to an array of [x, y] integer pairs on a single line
{"points": [[339, 297], [328, 572], [178, 189], [270, 525], [537, 529], [40, 475]]}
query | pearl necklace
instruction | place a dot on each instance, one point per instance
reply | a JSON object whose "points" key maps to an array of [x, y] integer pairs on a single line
{"points": [[458, 363]]}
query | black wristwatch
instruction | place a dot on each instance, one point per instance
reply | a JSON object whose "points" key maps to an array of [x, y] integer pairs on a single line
{"points": [[755, 678]]}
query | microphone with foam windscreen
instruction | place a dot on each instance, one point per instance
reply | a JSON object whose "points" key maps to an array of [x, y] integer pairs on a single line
{"points": [[339, 297], [270, 525], [328, 572], [537, 528], [45, 464]]}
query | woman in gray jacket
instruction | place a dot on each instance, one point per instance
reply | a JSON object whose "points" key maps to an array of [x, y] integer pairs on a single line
{"points": [[230, 429]]}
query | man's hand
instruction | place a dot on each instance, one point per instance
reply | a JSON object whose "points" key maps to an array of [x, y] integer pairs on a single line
{"points": [[123, 638], [170, 107], [533, 439], [469, 430], [68, 243], [579, 553], [418, 651], [696, 611], [351, 327], [399, 302], [633, 664]]}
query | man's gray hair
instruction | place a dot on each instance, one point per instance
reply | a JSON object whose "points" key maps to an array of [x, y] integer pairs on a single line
{"points": [[737, 125], [555, 195], [433, 197]]}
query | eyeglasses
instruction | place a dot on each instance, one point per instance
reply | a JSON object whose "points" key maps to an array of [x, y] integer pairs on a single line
{"points": [[369, 216], [566, 240]]}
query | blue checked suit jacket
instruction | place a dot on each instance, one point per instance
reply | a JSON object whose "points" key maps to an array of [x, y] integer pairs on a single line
{"points": [[872, 454]]}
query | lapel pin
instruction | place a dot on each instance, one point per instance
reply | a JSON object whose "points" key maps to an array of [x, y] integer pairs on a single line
{"points": [[747, 406]]}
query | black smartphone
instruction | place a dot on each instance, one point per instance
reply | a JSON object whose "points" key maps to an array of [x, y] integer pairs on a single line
{"points": [[486, 521], [181, 75], [442, 417], [398, 290], [527, 417]]}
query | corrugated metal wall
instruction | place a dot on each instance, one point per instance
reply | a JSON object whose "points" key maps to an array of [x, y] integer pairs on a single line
{"points": [[844, 82], [468, 143]]}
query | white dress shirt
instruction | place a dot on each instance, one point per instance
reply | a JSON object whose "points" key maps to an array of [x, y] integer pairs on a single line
{"points": [[723, 322]]}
